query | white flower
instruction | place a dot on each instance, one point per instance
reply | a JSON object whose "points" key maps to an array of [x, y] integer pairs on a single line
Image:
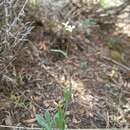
{"points": [[68, 27]]}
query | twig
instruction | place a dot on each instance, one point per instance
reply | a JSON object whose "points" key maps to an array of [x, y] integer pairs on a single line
{"points": [[19, 14], [4, 68], [117, 63], [19, 128]]}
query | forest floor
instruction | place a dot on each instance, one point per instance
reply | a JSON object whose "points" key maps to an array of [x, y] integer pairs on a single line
{"points": [[100, 83]]}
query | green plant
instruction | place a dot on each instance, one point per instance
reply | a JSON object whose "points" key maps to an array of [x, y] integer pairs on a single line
{"points": [[67, 96], [46, 123], [59, 119], [60, 116], [19, 101], [89, 22], [113, 42], [109, 3]]}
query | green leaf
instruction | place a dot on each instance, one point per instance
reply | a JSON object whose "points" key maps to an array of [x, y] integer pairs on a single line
{"points": [[42, 122], [104, 3], [110, 3], [67, 96], [53, 124], [113, 42], [49, 120], [89, 22], [48, 117], [59, 120], [60, 51]]}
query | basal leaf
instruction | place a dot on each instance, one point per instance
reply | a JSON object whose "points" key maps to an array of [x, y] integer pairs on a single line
{"points": [[60, 51], [41, 122], [48, 117]]}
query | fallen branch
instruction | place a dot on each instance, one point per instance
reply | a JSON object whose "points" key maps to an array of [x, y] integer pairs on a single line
{"points": [[117, 63]]}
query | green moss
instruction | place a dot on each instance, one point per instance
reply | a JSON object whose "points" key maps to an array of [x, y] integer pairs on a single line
{"points": [[118, 56]]}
